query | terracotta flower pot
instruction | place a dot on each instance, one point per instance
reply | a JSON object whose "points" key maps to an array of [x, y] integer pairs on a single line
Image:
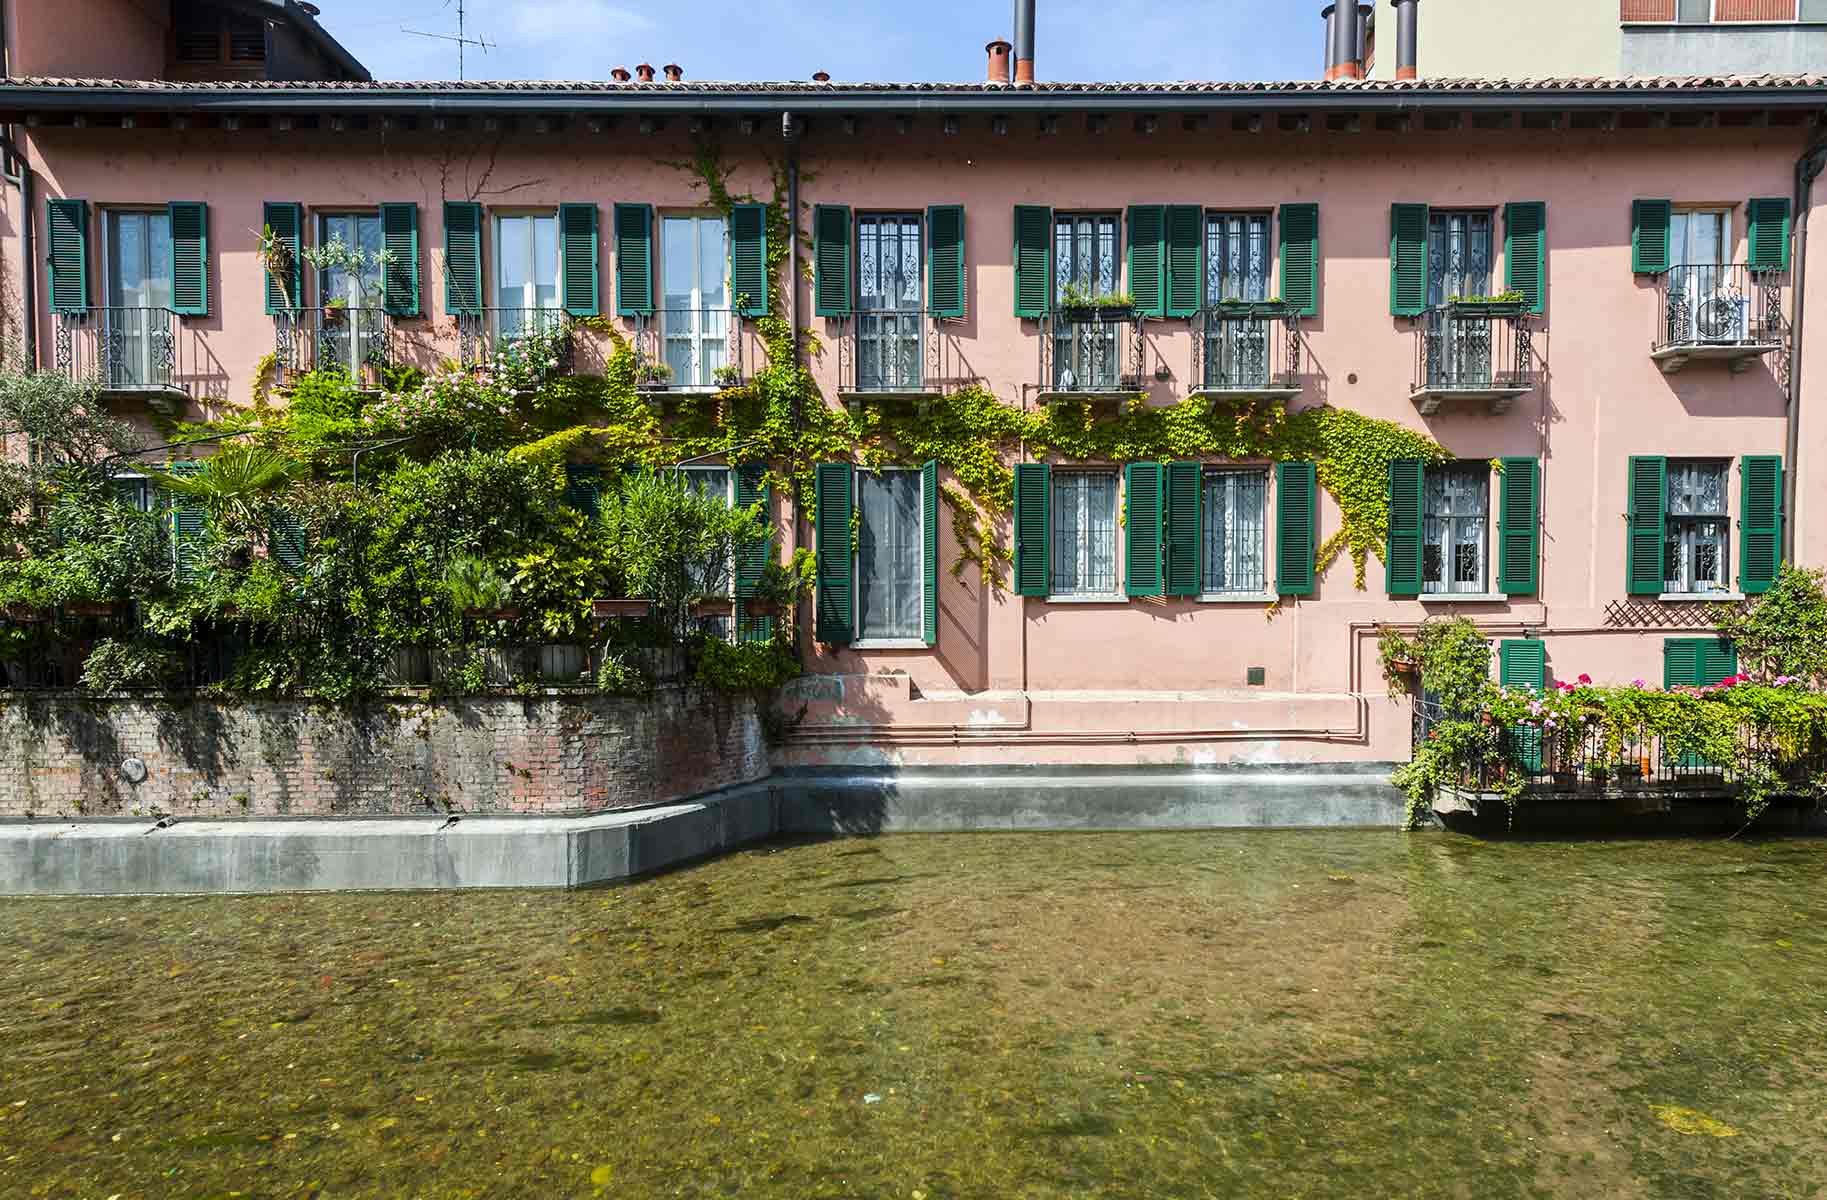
{"points": [[713, 606], [606, 609]]}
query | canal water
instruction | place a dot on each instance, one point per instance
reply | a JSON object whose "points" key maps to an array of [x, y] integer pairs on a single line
{"points": [[1276, 1014]]}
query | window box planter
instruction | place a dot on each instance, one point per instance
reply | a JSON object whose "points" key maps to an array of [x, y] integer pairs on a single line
{"points": [[604, 610], [763, 608], [492, 614], [93, 609], [1486, 308], [713, 606], [1086, 314], [1566, 780], [1242, 310], [25, 616]]}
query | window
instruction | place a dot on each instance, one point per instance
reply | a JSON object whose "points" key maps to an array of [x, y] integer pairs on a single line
{"points": [[1694, 12], [135, 491], [526, 274], [1234, 558], [695, 316], [713, 578], [1695, 537], [136, 329], [354, 336], [889, 557], [204, 34], [1703, 303], [1454, 506], [1084, 533], [1085, 355], [1814, 11], [1458, 255], [888, 302], [1236, 256]]}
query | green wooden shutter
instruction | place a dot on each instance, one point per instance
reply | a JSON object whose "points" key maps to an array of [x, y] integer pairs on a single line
{"points": [[286, 540], [1296, 527], [754, 555], [1760, 523], [945, 283], [1718, 660], [189, 523], [1681, 662], [1033, 528], [1300, 260], [1519, 527], [1408, 259], [1185, 241], [68, 223], [1525, 251], [462, 257], [578, 254], [584, 488], [1033, 260], [400, 295], [1649, 223], [834, 490], [1147, 266], [1406, 478], [1523, 663], [1142, 529], [1181, 554], [1769, 233], [189, 257], [749, 256], [929, 551], [286, 220], [634, 259], [1644, 560], [831, 288]]}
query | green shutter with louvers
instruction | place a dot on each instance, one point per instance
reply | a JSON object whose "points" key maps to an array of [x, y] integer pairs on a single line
{"points": [[584, 488], [1300, 260], [1142, 529], [1649, 226], [189, 221], [634, 259], [1147, 263], [831, 288], [1033, 260], [753, 555], [1185, 242], [68, 224], [1033, 528], [462, 257], [1181, 553], [1646, 523], [834, 489], [1681, 662], [189, 525], [1407, 259], [1525, 251], [1406, 476], [1519, 527], [1718, 661], [1523, 663], [286, 540], [1768, 236], [578, 254], [1761, 523], [929, 552], [286, 220], [400, 296], [945, 284], [1296, 527], [749, 257]]}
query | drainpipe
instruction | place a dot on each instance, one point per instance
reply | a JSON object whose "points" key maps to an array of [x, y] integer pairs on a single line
{"points": [[1807, 170], [789, 132]]}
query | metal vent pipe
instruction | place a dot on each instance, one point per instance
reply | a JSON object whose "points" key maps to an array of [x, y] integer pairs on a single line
{"points": [[1024, 41], [1330, 15], [1407, 25], [1344, 42]]}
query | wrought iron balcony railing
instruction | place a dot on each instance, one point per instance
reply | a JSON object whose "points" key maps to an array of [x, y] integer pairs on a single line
{"points": [[121, 349], [355, 341], [1720, 311], [1091, 352], [1472, 351], [541, 335], [693, 348], [897, 352], [1247, 350]]}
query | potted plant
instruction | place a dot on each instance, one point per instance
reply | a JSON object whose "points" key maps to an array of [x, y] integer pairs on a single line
{"points": [[335, 308], [713, 606], [628, 606], [1503, 304], [478, 591], [727, 376], [654, 376]]}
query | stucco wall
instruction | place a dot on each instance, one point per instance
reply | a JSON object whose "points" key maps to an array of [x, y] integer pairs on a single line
{"points": [[1501, 39], [96, 39], [1723, 49]]}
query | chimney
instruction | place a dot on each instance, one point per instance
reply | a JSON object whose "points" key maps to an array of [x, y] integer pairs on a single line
{"points": [[644, 72], [1406, 22], [1365, 13], [998, 51], [1330, 15], [620, 75], [821, 77], [1344, 52], [674, 72], [1024, 41]]}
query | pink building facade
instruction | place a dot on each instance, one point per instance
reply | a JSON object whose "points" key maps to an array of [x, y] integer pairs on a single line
{"points": [[1640, 367]]}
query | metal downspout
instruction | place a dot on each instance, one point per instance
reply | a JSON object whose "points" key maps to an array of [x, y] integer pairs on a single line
{"points": [[1807, 169]]}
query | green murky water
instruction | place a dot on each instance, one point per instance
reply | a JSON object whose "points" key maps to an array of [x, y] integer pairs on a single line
{"points": [[1189, 1014]]}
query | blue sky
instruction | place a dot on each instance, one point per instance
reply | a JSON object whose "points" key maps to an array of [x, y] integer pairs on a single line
{"points": [[852, 39]]}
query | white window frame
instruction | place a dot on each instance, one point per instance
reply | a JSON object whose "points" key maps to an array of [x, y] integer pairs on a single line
{"points": [[1083, 540], [1447, 587], [323, 218], [143, 371], [699, 337], [530, 289], [890, 642], [1233, 595], [726, 626], [1683, 529]]}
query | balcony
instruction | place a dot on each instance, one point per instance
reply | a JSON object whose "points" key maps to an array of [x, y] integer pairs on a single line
{"points": [[693, 350], [1478, 352], [1717, 312], [1090, 353], [542, 335], [890, 354], [126, 351], [1247, 352], [355, 341]]}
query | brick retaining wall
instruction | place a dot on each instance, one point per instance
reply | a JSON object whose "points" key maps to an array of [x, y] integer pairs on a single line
{"points": [[68, 754]]}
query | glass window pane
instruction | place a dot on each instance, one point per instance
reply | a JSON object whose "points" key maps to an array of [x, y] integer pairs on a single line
{"points": [[712, 263], [513, 268], [890, 593], [678, 264], [1455, 502], [545, 261]]}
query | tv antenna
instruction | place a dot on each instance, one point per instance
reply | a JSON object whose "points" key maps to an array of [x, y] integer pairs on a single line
{"points": [[459, 38]]}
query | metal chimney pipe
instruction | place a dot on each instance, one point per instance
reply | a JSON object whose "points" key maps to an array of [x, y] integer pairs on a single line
{"points": [[1024, 41], [1344, 42], [1365, 12], [1330, 15], [1407, 24]]}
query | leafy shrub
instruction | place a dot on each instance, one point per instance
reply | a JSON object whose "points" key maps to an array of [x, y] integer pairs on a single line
{"points": [[745, 666], [114, 666], [1783, 633]]}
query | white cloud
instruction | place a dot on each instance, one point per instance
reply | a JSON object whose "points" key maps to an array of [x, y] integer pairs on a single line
{"points": [[570, 20]]}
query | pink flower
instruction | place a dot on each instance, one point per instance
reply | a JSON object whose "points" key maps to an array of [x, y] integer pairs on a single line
{"points": [[1638, 684], [1586, 679]]}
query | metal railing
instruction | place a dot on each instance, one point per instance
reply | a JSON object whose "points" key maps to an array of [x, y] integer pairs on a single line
{"points": [[698, 348], [1718, 305], [1247, 348], [121, 349], [488, 333], [897, 351], [1474, 348], [1091, 351], [355, 341]]}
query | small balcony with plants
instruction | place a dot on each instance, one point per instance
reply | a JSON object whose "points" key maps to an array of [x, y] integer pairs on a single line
{"points": [[1717, 312], [123, 351], [1476, 348], [522, 345], [355, 340], [1091, 347], [1247, 350], [686, 351]]}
